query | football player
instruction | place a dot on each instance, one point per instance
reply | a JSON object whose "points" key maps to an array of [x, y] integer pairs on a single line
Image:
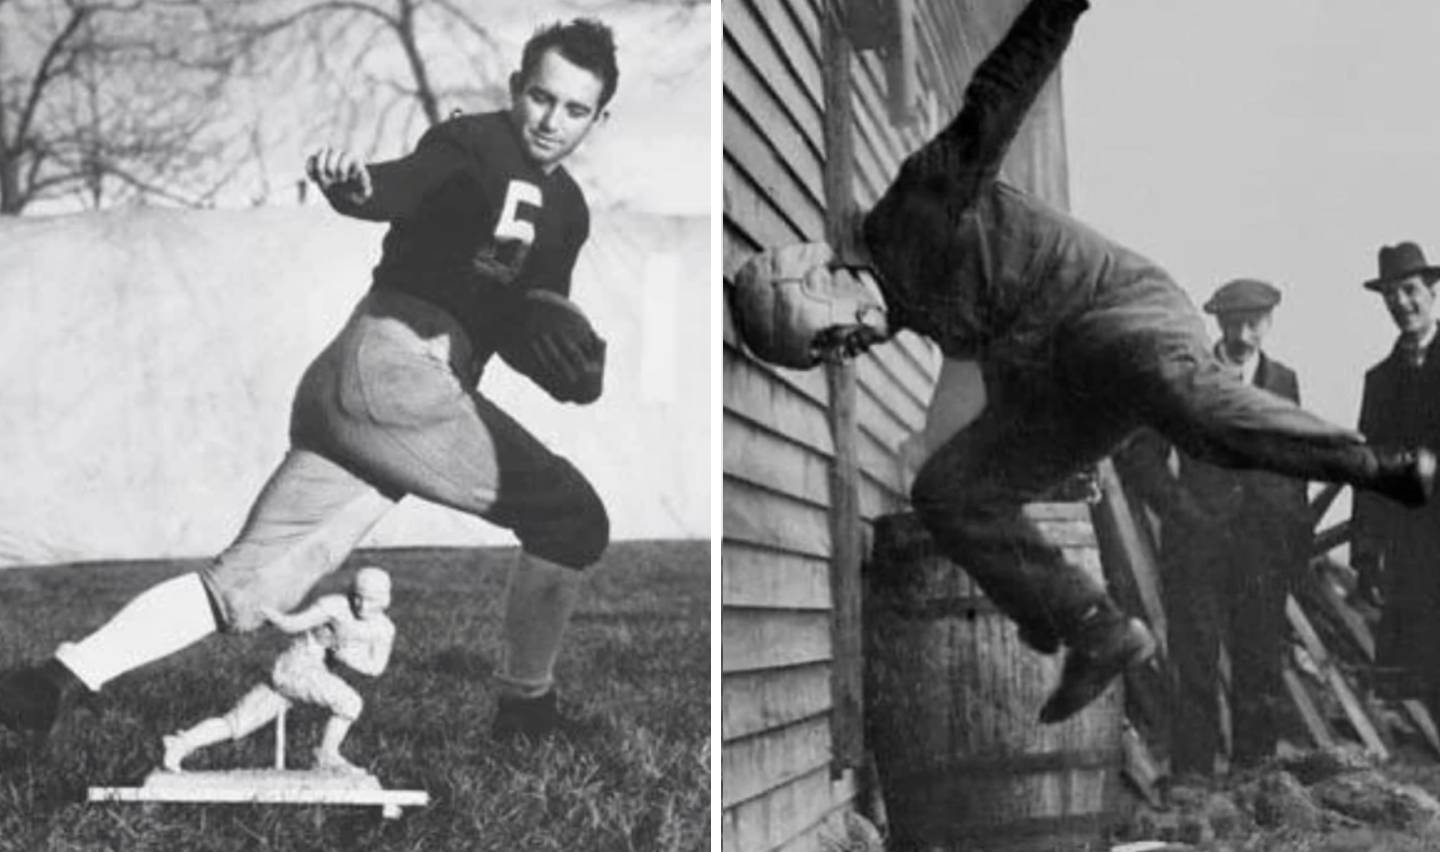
{"points": [[485, 226], [1079, 342]]}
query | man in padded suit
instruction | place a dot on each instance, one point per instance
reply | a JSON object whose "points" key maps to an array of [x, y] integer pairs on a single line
{"points": [[485, 224], [1079, 341]]}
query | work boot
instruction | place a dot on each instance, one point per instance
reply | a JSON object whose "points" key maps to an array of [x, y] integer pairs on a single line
{"points": [[32, 698], [1406, 476], [518, 716], [1106, 644]]}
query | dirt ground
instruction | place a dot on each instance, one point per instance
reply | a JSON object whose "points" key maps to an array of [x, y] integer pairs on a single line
{"points": [[1307, 801]]}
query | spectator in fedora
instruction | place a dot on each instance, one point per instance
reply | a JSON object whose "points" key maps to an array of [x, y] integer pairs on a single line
{"points": [[1230, 541], [1395, 549]]}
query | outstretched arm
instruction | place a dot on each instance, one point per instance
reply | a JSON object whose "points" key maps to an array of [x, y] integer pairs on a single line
{"points": [[390, 190], [969, 151]]}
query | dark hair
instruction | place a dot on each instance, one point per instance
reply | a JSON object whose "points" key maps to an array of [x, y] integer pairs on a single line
{"points": [[585, 42]]}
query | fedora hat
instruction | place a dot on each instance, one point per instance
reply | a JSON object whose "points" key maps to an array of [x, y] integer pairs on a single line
{"points": [[1401, 261]]}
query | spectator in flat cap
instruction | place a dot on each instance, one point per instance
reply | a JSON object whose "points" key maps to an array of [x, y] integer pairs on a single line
{"points": [[1242, 295], [1394, 549], [1231, 541]]}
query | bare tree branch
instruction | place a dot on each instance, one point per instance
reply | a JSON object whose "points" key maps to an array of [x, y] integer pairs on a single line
{"points": [[469, 24], [119, 103], [48, 69], [269, 28], [32, 180], [394, 32], [602, 6], [147, 187], [424, 93], [42, 185]]}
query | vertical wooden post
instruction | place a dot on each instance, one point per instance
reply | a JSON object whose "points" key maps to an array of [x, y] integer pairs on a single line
{"points": [[847, 720], [1123, 524]]}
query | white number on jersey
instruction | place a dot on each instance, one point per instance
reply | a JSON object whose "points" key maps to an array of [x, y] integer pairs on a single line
{"points": [[511, 226], [513, 235]]}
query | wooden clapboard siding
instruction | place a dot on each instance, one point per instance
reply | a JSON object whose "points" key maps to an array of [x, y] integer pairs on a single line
{"points": [[758, 515], [758, 577], [800, 816], [756, 638], [766, 699], [757, 453], [750, 767], [776, 630], [779, 793]]}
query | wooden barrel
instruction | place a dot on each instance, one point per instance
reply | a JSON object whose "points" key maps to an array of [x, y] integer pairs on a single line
{"points": [[952, 699]]}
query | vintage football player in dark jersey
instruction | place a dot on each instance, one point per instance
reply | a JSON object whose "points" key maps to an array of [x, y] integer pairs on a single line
{"points": [[1079, 342], [485, 226]]}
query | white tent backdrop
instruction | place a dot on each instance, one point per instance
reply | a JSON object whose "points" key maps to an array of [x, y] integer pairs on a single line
{"points": [[148, 357]]}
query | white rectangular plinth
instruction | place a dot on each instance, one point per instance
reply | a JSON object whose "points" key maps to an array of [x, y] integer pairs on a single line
{"points": [[269, 786]]}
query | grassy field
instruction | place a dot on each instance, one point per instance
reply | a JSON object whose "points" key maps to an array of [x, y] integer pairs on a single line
{"points": [[637, 662]]}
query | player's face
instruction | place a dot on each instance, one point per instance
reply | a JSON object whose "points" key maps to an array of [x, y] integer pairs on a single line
{"points": [[1411, 303], [1243, 332], [554, 108]]}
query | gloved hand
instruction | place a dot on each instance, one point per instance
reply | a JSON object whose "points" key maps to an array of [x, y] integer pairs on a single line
{"points": [[555, 346]]}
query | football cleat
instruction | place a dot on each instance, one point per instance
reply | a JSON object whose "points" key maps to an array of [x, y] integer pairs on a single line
{"points": [[32, 698], [535, 718], [1100, 655]]}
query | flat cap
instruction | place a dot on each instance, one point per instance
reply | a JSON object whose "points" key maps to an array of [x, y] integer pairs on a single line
{"points": [[1243, 294]]}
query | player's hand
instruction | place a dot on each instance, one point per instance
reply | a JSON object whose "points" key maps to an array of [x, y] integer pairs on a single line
{"points": [[566, 356], [340, 175], [838, 342]]}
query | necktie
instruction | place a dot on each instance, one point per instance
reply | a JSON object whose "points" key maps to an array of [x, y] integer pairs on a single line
{"points": [[1411, 352]]}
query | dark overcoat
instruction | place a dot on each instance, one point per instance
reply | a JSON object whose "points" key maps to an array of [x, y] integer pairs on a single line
{"points": [[1401, 405]]}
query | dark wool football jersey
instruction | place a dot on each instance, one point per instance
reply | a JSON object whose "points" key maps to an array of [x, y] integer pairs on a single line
{"points": [[986, 270], [474, 223]]}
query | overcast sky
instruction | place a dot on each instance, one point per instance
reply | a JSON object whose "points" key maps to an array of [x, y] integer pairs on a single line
{"points": [[1282, 139]]}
